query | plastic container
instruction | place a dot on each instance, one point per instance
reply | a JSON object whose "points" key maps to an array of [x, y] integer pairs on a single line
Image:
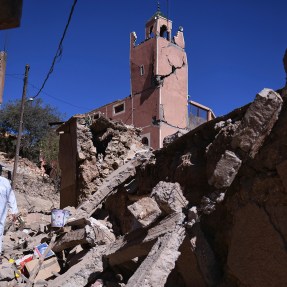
{"points": [[59, 217]]}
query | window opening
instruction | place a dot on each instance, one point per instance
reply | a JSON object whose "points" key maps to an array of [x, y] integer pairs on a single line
{"points": [[119, 108], [145, 141], [142, 70], [163, 32]]}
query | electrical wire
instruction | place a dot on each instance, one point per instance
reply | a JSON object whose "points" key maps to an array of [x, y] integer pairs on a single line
{"points": [[14, 75], [59, 50], [173, 126], [53, 97], [58, 99]]}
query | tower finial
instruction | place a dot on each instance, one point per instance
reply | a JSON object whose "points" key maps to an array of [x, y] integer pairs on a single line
{"points": [[158, 6]]}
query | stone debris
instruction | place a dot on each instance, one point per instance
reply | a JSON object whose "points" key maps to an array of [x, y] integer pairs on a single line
{"points": [[138, 242], [185, 215], [169, 139], [145, 211], [257, 122], [169, 197], [160, 261], [29, 182], [225, 170]]}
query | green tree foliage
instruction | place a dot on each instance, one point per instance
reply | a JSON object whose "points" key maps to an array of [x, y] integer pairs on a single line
{"points": [[35, 125], [49, 148]]}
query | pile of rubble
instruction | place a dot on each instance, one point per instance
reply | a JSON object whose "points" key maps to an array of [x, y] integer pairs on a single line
{"points": [[36, 196], [31, 182], [208, 209]]}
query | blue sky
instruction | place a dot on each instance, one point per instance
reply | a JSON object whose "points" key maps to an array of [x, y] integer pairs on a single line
{"points": [[234, 49]]}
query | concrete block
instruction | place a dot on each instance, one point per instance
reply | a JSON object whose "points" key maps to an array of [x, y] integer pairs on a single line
{"points": [[225, 170], [154, 270], [257, 122], [169, 197], [145, 211]]}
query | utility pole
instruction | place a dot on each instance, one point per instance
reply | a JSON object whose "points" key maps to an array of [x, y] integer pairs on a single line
{"points": [[27, 67]]}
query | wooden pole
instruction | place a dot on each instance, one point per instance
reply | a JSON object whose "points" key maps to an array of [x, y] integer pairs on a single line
{"points": [[27, 67]]}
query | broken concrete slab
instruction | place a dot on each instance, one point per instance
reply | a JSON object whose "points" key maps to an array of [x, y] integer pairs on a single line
{"points": [[116, 178], [72, 239], [124, 249], [225, 170], [103, 235], [83, 272], [257, 122], [155, 269], [96, 234], [169, 197], [145, 211], [139, 242]]}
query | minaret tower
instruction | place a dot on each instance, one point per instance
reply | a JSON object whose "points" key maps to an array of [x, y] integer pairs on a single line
{"points": [[159, 80]]}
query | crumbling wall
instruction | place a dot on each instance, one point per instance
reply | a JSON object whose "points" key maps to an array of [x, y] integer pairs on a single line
{"points": [[90, 150], [102, 147]]}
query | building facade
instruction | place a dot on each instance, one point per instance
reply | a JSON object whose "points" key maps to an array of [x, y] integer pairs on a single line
{"points": [[159, 84]]}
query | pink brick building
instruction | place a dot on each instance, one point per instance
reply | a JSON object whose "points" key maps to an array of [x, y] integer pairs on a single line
{"points": [[159, 84]]}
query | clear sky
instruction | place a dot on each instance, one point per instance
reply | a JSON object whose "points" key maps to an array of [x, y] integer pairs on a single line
{"points": [[234, 49]]}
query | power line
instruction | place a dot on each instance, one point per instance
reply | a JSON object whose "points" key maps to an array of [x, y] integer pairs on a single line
{"points": [[53, 97], [58, 99], [14, 75], [59, 50]]}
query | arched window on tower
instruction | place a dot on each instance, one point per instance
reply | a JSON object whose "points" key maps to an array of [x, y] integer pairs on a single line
{"points": [[163, 32]]}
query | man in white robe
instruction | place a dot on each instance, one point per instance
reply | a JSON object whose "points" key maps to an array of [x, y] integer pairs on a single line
{"points": [[7, 200]]}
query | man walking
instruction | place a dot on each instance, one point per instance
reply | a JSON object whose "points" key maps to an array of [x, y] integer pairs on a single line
{"points": [[7, 200]]}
